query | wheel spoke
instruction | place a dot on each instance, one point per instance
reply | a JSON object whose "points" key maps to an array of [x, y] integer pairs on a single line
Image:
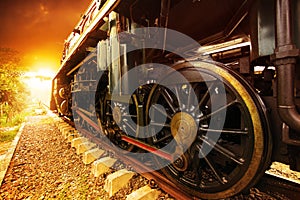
{"points": [[189, 97], [177, 95], [225, 131], [160, 124], [126, 115], [161, 111], [204, 99], [167, 136], [168, 99], [129, 125], [225, 152], [211, 166], [205, 117]]}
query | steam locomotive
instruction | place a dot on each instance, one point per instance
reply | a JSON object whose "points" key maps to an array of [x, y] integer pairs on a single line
{"points": [[209, 88]]}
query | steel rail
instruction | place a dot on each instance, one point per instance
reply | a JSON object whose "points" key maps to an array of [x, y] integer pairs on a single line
{"points": [[163, 183], [151, 175], [272, 185], [278, 187]]}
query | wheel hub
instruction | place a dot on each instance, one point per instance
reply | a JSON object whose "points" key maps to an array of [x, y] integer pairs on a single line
{"points": [[117, 114], [184, 129], [181, 163]]}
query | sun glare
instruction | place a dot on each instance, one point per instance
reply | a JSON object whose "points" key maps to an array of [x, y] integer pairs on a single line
{"points": [[40, 83], [46, 73]]}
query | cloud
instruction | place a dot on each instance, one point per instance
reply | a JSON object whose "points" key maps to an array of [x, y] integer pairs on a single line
{"points": [[38, 21], [43, 9], [38, 25]]}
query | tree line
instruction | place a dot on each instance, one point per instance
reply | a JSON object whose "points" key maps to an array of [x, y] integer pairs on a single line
{"points": [[13, 92]]}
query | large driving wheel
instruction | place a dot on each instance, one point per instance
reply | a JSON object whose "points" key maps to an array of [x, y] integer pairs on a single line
{"points": [[228, 142], [116, 117]]}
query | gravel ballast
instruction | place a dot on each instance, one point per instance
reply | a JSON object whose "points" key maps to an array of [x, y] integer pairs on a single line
{"points": [[44, 166]]}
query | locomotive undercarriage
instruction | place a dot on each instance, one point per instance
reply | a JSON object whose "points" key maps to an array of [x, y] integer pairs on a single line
{"points": [[235, 159], [208, 131]]}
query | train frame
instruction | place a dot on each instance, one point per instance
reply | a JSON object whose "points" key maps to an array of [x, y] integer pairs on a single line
{"points": [[249, 52]]}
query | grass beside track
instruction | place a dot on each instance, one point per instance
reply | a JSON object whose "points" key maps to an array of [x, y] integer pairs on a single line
{"points": [[9, 135], [8, 130]]}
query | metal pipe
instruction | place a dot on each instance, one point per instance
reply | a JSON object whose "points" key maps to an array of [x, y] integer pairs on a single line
{"points": [[286, 136], [115, 67], [285, 60], [283, 20]]}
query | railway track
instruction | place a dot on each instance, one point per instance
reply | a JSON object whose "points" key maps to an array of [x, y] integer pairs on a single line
{"points": [[155, 178], [270, 185], [279, 187]]}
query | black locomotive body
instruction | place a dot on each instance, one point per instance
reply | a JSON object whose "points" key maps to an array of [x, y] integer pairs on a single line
{"points": [[246, 53]]}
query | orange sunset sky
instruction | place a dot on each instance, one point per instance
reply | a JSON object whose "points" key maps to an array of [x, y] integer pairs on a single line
{"points": [[37, 28]]}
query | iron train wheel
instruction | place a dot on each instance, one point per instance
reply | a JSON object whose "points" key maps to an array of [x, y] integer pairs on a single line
{"points": [[113, 115], [241, 153]]}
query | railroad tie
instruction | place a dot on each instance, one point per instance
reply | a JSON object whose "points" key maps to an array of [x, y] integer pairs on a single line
{"points": [[92, 155], [85, 146], [143, 193], [76, 141], [102, 165], [67, 131], [117, 180], [72, 136]]}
